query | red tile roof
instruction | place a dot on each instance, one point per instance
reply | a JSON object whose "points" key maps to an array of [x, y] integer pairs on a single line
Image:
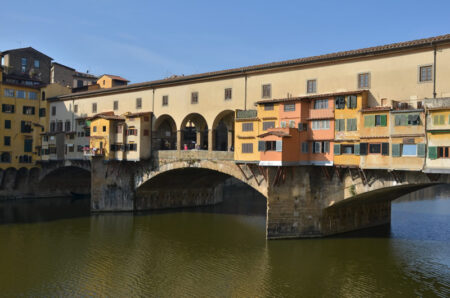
{"points": [[309, 97], [277, 133], [117, 78]]}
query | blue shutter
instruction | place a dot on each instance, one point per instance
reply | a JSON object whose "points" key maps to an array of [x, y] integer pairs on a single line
{"points": [[261, 146]]}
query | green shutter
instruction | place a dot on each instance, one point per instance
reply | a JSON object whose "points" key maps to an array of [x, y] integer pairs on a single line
{"points": [[404, 120], [261, 146], [397, 120], [342, 125], [354, 101], [336, 125], [349, 124], [436, 120], [383, 120], [356, 149], [432, 152], [396, 150], [421, 150], [366, 121], [337, 149], [441, 119]]}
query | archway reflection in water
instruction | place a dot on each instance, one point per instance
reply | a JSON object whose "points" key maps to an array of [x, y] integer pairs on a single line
{"points": [[218, 251]]}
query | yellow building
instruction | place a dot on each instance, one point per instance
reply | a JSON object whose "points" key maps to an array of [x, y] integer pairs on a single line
{"points": [[374, 138], [109, 81], [347, 113], [408, 141], [438, 135], [19, 120], [246, 136]]}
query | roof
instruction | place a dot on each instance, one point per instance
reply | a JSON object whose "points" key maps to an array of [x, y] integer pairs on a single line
{"points": [[277, 133], [375, 109], [25, 49], [65, 66], [132, 115], [364, 52], [106, 115], [116, 78], [85, 75], [316, 96]]}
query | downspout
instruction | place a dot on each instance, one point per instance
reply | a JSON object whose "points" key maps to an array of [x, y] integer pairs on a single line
{"points": [[434, 72]]}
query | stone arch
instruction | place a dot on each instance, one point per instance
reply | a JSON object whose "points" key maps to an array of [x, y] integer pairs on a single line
{"points": [[194, 132], [65, 180], [164, 133], [223, 131], [21, 178], [228, 168], [9, 178]]}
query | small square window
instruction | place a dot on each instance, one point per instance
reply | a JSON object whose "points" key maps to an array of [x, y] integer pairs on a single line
{"points": [[75, 108], [165, 100], [36, 64], [266, 91], [8, 124], [7, 141], [311, 86], [228, 93], [194, 97], [138, 103], [425, 73], [53, 111], [363, 80]]}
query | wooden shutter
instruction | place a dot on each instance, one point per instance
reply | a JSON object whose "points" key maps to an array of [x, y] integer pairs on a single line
{"points": [[383, 120], [403, 120], [363, 148], [432, 152], [337, 149], [436, 120], [342, 124], [369, 121], [279, 146], [397, 120], [384, 148], [421, 150], [261, 146], [441, 119], [356, 149], [396, 150], [336, 125], [349, 124]]}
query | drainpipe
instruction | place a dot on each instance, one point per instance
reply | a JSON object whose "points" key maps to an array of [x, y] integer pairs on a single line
{"points": [[434, 72]]}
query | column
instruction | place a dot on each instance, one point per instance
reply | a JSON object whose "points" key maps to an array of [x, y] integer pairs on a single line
{"points": [[230, 140], [198, 139], [210, 139], [179, 136]]}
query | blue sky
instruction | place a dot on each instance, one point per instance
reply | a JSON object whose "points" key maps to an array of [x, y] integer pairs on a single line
{"points": [[148, 40]]}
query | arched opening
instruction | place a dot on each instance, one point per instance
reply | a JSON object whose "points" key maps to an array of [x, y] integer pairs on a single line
{"points": [[66, 181], [164, 133], [223, 131], [194, 132], [9, 178], [21, 179], [5, 157], [197, 187]]}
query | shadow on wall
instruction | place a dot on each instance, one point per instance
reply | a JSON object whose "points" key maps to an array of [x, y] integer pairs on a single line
{"points": [[65, 181]]}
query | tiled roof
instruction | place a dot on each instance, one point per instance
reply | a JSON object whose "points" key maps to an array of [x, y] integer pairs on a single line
{"points": [[117, 78], [131, 115], [309, 97], [25, 49], [106, 115], [375, 109], [419, 43], [277, 133]]}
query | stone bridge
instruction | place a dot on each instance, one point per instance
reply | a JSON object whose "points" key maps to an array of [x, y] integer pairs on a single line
{"points": [[302, 201]]}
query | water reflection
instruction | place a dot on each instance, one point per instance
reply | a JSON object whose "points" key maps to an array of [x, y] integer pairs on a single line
{"points": [[212, 252]]}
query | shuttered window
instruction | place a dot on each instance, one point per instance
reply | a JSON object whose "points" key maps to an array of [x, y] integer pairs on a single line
{"points": [[369, 121], [374, 148], [194, 97], [351, 102], [266, 91], [421, 150], [247, 126], [228, 93], [261, 146], [432, 152], [356, 149], [339, 125], [340, 102], [337, 149], [268, 124], [409, 150], [268, 107], [305, 147], [351, 124], [289, 107], [364, 80], [247, 148], [363, 148], [396, 149], [279, 146], [385, 148]]}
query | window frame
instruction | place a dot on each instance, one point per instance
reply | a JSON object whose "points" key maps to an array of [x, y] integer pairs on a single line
{"points": [[228, 93], [194, 97], [165, 100], [369, 77], [419, 73], [270, 90], [315, 86]]}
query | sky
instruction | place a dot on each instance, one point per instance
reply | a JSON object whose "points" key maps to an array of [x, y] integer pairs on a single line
{"points": [[150, 40]]}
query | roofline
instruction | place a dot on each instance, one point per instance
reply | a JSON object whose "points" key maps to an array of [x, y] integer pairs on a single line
{"points": [[312, 96], [63, 65], [26, 48], [337, 56]]}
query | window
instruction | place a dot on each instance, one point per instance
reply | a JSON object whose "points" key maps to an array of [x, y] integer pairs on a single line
{"points": [[363, 80], [321, 104], [23, 64], [132, 147], [351, 124], [414, 119], [32, 95], [7, 141], [311, 86], [268, 124], [321, 147], [303, 126], [194, 97], [132, 132], [409, 150], [94, 107], [36, 64], [21, 94], [340, 102], [59, 125], [438, 120], [320, 124], [247, 148], [52, 126], [79, 83], [165, 100], [283, 124], [228, 93], [352, 101], [43, 95], [71, 148], [5, 157], [347, 149], [339, 124], [7, 108], [425, 73], [266, 91], [138, 103], [289, 107], [247, 126], [25, 126], [119, 129], [28, 110], [268, 107], [375, 120], [291, 123], [94, 129], [104, 128], [67, 125], [9, 92], [53, 111], [305, 147], [375, 148], [28, 145], [8, 124], [443, 152], [407, 120]]}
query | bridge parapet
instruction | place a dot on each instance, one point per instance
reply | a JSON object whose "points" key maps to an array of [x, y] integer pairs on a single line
{"points": [[185, 155]]}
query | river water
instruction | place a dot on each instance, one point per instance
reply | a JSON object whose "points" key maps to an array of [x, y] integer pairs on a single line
{"points": [[54, 247]]}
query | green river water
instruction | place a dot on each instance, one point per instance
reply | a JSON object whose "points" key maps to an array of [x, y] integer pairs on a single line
{"points": [[54, 247]]}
